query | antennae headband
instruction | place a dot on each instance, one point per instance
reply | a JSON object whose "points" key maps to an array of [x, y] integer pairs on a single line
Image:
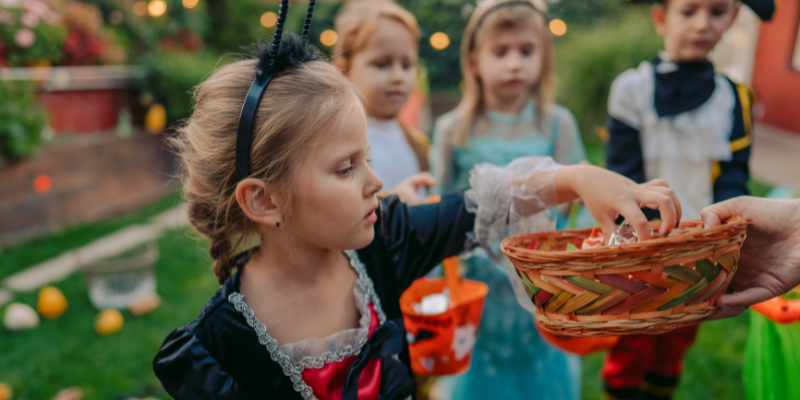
{"points": [[267, 69], [245, 128]]}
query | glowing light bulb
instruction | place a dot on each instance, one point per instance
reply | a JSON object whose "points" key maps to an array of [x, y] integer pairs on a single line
{"points": [[190, 3], [157, 8], [328, 37], [269, 19], [440, 41], [558, 27]]}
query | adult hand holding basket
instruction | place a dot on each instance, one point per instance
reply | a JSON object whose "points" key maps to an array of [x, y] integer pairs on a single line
{"points": [[652, 286]]}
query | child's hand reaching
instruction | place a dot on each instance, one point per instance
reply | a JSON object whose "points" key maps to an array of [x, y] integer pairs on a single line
{"points": [[408, 190], [607, 195]]}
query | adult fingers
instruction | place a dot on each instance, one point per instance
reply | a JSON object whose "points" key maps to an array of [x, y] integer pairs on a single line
{"points": [[634, 215], [714, 214], [748, 297], [728, 312]]}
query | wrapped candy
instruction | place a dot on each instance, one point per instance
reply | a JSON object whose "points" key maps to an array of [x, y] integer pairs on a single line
{"points": [[595, 239], [625, 234]]}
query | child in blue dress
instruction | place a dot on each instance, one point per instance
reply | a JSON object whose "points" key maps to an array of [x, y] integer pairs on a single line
{"points": [[506, 112]]}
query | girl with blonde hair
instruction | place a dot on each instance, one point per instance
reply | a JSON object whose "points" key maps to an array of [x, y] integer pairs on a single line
{"points": [[377, 50], [276, 152], [507, 111]]}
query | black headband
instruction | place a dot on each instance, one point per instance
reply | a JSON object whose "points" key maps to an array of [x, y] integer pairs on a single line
{"points": [[267, 69], [508, 4]]}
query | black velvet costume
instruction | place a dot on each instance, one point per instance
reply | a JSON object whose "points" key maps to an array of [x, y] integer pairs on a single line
{"points": [[218, 355]]}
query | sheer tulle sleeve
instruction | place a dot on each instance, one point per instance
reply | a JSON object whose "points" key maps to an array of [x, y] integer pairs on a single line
{"points": [[510, 201]]}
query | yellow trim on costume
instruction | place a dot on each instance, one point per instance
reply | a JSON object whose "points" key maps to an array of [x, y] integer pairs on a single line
{"points": [[741, 143], [746, 99], [656, 390], [383, 195], [716, 171]]}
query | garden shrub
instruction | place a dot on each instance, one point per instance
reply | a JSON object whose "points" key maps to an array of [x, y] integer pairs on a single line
{"points": [[589, 59], [21, 121], [172, 75]]}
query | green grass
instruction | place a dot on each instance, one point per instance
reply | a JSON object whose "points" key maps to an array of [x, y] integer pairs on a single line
{"points": [[66, 352], [713, 367], [24, 255]]}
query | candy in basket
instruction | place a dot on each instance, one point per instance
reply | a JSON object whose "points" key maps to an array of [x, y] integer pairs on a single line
{"points": [[652, 286]]}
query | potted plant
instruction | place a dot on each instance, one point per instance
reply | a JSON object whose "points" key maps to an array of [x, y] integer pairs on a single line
{"points": [[74, 59]]}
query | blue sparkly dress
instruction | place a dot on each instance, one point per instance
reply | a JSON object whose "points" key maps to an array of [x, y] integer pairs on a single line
{"points": [[511, 361]]}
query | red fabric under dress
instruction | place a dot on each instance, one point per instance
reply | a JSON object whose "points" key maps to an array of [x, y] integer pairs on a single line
{"points": [[634, 356], [328, 381]]}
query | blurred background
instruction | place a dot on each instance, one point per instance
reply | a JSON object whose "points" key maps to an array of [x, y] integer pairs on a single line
{"points": [[89, 201]]}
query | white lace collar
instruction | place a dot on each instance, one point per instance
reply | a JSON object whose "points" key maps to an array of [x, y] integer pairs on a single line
{"points": [[295, 357]]}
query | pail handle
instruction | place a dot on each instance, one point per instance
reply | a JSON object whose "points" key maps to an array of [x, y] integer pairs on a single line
{"points": [[452, 278], [450, 267]]}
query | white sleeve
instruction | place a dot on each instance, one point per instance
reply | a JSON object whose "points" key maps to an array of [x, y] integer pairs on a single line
{"points": [[510, 201], [628, 94]]}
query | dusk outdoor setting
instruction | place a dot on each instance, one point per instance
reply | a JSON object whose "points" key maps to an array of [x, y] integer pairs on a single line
{"points": [[400, 199]]}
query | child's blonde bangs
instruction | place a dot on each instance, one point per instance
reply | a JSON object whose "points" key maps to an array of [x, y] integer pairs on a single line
{"points": [[358, 20], [489, 19]]}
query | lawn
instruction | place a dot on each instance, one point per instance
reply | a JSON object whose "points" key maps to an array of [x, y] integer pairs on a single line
{"points": [[66, 352], [21, 256]]}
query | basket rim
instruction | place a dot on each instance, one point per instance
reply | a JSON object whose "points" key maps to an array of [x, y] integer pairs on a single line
{"points": [[730, 228]]}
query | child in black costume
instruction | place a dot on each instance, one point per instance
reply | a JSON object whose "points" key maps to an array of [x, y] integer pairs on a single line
{"points": [[304, 316], [676, 119]]}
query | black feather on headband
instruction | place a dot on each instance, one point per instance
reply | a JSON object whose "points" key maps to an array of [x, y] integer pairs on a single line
{"points": [[282, 54], [291, 53]]}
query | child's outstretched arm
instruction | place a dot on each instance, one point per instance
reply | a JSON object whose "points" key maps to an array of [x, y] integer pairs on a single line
{"points": [[608, 195], [508, 201]]}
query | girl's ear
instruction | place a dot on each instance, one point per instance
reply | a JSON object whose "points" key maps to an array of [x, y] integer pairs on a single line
{"points": [[659, 16], [341, 63], [259, 201], [473, 64]]}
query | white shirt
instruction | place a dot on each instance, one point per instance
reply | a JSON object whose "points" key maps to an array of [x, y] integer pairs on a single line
{"points": [[393, 159], [681, 149]]}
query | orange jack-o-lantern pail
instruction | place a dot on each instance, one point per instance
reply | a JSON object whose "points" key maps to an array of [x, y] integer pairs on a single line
{"points": [[442, 344]]}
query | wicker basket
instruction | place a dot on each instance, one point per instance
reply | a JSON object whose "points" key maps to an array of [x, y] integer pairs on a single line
{"points": [[650, 287]]}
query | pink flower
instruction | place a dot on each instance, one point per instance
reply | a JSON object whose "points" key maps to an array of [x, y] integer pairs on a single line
{"points": [[24, 38], [29, 19], [7, 17], [36, 7]]}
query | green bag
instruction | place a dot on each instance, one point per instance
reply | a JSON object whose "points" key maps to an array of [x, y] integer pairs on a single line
{"points": [[772, 360]]}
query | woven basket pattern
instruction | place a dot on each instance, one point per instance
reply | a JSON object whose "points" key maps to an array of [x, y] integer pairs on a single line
{"points": [[650, 287]]}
